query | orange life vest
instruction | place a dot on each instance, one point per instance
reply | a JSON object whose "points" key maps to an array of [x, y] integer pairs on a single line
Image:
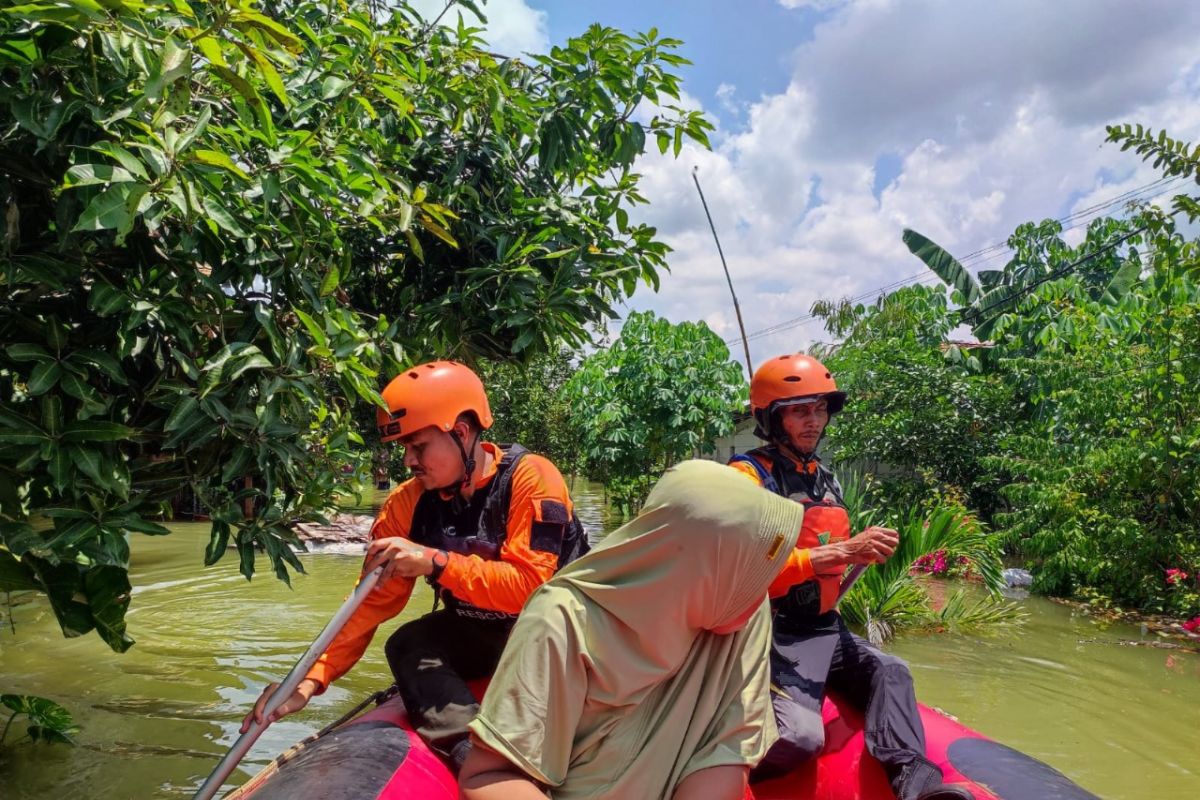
{"points": [[825, 522]]}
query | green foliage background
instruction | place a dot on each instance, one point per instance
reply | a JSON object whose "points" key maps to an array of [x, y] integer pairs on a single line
{"points": [[1075, 428], [660, 392]]}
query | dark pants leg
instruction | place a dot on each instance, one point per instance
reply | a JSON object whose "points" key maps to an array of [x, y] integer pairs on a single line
{"points": [[432, 658], [881, 685], [800, 660]]}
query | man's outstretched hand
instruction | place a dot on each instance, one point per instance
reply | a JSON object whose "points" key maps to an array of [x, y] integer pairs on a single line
{"points": [[297, 701], [874, 545]]}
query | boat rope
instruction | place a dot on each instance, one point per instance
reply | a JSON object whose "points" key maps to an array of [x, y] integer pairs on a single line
{"points": [[378, 698]]}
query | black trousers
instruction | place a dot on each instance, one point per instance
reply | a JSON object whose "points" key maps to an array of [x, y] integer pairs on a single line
{"points": [[807, 657], [432, 658]]}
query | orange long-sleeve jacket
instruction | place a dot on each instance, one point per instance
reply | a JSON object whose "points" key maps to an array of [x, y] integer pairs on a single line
{"points": [[538, 492]]}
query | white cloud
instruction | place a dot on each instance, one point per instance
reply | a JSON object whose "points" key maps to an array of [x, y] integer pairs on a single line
{"points": [[991, 115], [885, 74], [512, 28], [725, 96]]}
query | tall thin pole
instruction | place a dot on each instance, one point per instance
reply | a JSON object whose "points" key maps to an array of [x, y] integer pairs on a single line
{"points": [[736, 308]]}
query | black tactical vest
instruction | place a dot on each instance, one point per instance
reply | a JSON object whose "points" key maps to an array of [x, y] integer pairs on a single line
{"points": [[479, 527]]}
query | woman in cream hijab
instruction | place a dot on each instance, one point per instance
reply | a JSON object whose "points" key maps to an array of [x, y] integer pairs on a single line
{"points": [[640, 670]]}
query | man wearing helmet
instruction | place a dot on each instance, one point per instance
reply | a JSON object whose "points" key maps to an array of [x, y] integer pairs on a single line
{"points": [[484, 525], [793, 398]]}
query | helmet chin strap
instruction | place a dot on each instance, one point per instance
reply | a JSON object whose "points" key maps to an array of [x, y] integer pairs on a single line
{"points": [[459, 488], [808, 461]]}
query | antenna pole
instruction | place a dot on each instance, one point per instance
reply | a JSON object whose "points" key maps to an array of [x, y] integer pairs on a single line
{"points": [[736, 308]]}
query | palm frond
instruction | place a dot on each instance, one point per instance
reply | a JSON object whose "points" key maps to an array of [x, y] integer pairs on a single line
{"points": [[856, 496], [962, 615], [887, 598]]}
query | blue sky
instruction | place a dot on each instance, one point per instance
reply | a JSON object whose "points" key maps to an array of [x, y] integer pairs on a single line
{"points": [[743, 44], [841, 122]]}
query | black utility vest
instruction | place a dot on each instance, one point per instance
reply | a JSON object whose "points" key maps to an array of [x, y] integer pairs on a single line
{"points": [[479, 527]]}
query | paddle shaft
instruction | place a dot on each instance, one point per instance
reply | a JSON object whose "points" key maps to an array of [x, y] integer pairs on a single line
{"points": [[242, 746], [850, 579]]}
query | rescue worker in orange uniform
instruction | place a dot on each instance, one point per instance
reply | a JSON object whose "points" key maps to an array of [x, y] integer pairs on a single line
{"points": [[793, 398], [484, 524]]}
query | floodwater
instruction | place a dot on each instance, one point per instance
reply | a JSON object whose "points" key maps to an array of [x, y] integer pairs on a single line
{"points": [[1123, 721]]}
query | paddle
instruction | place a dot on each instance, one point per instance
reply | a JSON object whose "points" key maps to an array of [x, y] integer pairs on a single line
{"points": [[848, 582], [242, 746]]}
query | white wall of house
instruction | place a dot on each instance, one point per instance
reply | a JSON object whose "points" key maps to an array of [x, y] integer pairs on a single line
{"points": [[741, 440]]}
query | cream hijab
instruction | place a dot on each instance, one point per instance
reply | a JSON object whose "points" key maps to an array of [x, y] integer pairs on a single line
{"points": [[646, 660]]}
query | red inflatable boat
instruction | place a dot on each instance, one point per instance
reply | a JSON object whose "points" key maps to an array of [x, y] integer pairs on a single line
{"points": [[377, 756]]}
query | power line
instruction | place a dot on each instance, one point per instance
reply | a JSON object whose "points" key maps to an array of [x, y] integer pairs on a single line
{"points": [[1058, 273], [796, 322], [973, 259]]}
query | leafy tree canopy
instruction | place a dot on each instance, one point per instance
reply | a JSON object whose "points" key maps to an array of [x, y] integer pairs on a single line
{"points": [[1075, 428], [226, 224], [658, 393]]}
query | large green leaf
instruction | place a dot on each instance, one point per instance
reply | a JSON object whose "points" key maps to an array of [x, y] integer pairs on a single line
{"points": [[92, 430], [15, 576], [110, 208], [944, 265], [1124, 279], [987, 311], [108, 591], [92, 174], [63, 584], [46, 720], [45, 376]]}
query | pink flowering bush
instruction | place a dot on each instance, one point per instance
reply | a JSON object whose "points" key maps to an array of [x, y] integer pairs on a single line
{"points": [[1184, 591], [939, 564]]}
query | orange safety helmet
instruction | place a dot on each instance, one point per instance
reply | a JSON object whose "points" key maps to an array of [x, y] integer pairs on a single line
{"points": [[432, 394], [795, 377]]}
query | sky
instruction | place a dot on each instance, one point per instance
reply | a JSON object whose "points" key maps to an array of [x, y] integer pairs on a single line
{"points": [[842, 122]]}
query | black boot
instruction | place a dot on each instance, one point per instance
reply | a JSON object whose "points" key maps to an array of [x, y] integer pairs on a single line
{"points": [[921, 780]]}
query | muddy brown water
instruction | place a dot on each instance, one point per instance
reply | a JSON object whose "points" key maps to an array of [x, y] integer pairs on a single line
{"points": [[1122, 721]]}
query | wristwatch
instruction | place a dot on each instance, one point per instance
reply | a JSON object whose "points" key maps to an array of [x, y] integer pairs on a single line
{"points": [[440, 559]]}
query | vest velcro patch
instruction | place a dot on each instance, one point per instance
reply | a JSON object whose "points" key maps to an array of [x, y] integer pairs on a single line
{"points": [[554, 511], [546, 535]]}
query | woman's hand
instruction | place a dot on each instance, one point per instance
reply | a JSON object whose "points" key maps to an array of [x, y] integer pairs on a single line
{"points": [[487, 775]]}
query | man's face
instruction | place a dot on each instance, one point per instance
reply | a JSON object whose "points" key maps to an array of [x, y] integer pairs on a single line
{"points": [[432, 457], [803, 423]]}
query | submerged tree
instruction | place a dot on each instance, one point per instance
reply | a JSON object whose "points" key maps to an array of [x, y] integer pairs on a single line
{"points": [[530, 406], [225, 226]]}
